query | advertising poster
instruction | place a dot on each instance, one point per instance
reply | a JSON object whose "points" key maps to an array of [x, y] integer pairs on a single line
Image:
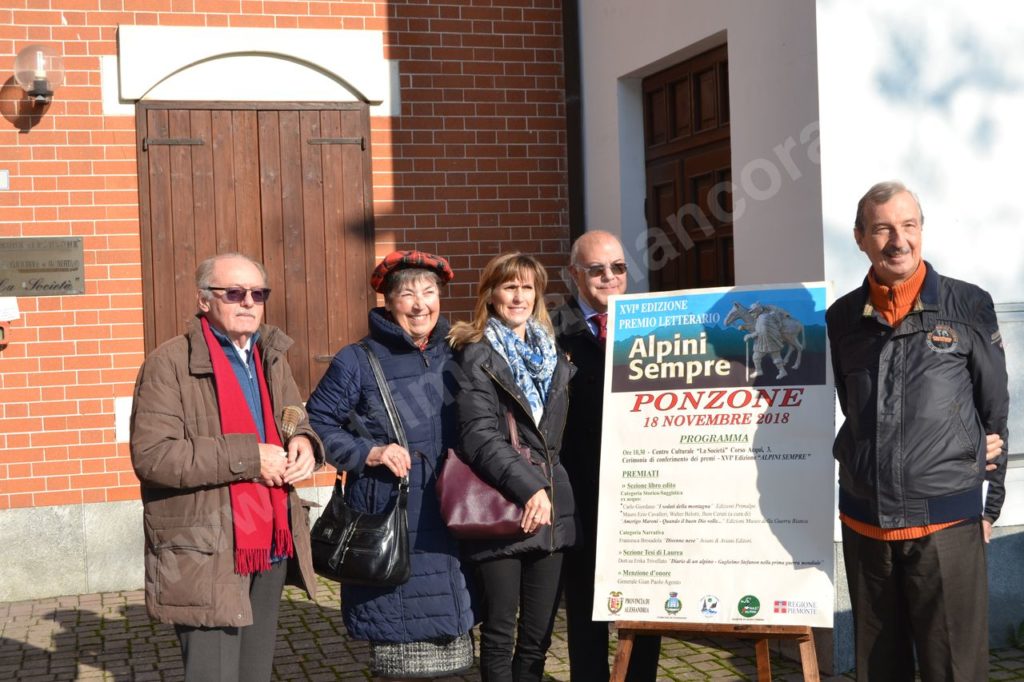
{"points": [[716, 498]]}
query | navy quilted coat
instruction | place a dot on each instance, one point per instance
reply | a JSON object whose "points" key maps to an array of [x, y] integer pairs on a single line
{"points": [[347, 413]]}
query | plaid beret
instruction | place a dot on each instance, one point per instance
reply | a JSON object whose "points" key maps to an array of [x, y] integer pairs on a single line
{"points": [[398, 260]]}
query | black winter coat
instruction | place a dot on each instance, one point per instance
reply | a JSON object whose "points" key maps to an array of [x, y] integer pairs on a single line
{"points": [[486, 390], [918, 401], [347, 412], [581, 445]]}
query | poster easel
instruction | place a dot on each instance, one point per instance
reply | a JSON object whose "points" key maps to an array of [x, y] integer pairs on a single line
{"points": [[803, 635]]}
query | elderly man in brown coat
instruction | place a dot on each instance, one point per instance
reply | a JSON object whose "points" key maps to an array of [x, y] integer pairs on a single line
{"points": [[217, 458]]}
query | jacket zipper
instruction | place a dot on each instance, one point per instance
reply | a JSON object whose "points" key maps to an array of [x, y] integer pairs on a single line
{"points": [[267, 371], [551, 471], [547, 451], [433, 434]]}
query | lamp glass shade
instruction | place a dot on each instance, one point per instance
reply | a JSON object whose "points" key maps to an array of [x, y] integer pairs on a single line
{"points": [[39, 70]]}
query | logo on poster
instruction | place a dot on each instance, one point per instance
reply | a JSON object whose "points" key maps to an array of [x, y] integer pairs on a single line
{"points": [[709, 605], [614, 602], [799, 607], [749, 606], [673, 605]]}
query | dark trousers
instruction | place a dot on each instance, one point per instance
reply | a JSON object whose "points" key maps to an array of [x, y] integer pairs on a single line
{"points": [[512, 651], [588, 638], [928, 595], [243, 654]]}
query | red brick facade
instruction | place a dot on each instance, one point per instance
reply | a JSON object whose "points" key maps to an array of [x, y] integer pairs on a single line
{"points": [[473, 166]]}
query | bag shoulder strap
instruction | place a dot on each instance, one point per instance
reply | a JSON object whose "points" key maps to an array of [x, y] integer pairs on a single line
{"points": [[389, 402], [513, 428], [385, 393]]}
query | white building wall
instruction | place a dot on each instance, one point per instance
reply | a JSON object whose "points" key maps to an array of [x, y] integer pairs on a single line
{"points": [[931, 93], [774, 113]]}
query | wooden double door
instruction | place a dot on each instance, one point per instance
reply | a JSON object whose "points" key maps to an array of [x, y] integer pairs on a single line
{"points": [[689, 175], [286, 184]]}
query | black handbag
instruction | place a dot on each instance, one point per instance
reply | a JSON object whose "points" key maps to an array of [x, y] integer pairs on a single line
{"points": [[359, 548]]}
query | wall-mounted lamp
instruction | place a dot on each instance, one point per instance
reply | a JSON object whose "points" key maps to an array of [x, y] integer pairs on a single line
{"points": [[39, 71]]}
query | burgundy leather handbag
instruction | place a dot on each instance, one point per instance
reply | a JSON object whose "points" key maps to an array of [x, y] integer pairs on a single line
{"points": [[472, 508]]}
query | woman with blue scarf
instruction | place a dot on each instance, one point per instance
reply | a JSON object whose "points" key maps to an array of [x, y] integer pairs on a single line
{"points": [[507, 362]]}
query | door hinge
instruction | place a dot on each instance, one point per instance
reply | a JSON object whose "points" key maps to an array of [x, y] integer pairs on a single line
{"points": [[170, 141], [361, 141]]}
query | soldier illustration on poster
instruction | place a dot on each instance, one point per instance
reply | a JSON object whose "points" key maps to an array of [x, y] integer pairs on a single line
{"points": [[772, 330]]}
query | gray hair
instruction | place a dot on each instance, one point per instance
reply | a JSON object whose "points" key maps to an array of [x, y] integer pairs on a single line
{"points": [[204, 272], [879, 194], [397, 279]]}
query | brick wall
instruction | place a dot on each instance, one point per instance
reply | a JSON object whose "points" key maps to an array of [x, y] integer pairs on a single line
{"points": [[473, 166]]}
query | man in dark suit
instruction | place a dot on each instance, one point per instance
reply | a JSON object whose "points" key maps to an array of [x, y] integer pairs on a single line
{"points": [[598, 269]]}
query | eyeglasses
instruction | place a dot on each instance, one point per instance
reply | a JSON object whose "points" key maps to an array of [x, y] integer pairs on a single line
{"points": [[237, 294], [597, 269]]}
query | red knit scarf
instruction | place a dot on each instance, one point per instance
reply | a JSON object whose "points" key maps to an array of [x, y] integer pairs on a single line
{"points": [[260, 512]]}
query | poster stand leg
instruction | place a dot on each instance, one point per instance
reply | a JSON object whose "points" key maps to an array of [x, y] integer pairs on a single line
{"points": [[628, 630]]}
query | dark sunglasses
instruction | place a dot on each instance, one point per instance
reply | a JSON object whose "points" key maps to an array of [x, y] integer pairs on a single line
{"points": [[237, 294], [597, 269]]}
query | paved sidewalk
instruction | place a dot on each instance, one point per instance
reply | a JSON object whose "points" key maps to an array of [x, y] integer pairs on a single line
{"points": [[109, 637]]}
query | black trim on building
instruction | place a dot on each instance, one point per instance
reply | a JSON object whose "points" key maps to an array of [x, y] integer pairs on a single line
{"points": [[573, 117]]}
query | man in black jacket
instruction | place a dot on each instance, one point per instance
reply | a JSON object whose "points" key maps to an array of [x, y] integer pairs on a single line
{"points": [[921, 379], [598, 269]]}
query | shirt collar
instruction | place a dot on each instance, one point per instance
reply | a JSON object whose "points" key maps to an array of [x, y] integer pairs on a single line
{"points": [[927, 298], [245, 353], [588, 315], [587, 311]]}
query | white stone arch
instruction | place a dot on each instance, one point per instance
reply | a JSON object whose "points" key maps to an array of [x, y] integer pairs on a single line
{"points": [[251, 64]]}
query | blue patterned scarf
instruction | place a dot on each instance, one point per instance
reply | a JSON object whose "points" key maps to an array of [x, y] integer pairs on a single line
{"points": [[532, 361]]}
